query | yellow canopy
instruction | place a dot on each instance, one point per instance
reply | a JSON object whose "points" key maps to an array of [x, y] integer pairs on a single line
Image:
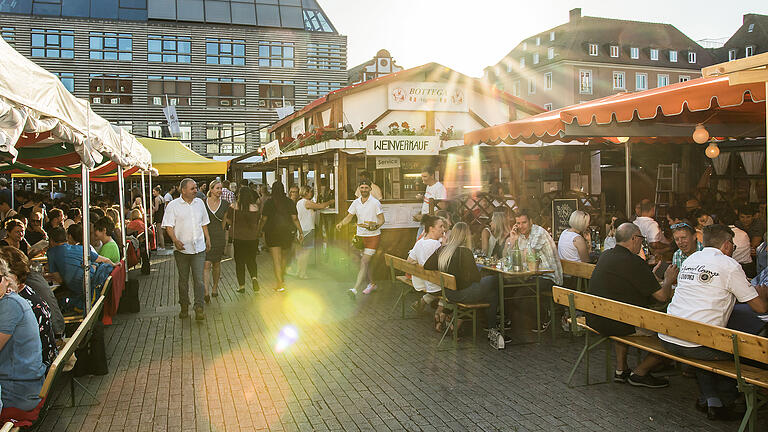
{"points": [[173, 158]]}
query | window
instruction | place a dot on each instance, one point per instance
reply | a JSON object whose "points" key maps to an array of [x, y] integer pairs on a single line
{"points": [[618, 81], [538, 40], [9, 34], [314, 20], [684, 78], [641, 81], [551, 36], [673, 56], [154, 130], [548, 81], [749, 51], [593, 49], [276, 54], [634, 52], [185, 130], [691, 57], [229, 138], [548, 106], [535, 58], [654, 54], [111, 46], [550, 53], [125, 124], [108, 89], [225, 51], [516, 88], [325, 56], [509, 68], [225, 92], [662, 80], [178, 90], [53, 43], [272, 93], [522, 62], [585, 81], [169, 49], [614, 51], [732, 54], [68, 79], [531, 85], [317, 88], [525, 46], [751, 27]]}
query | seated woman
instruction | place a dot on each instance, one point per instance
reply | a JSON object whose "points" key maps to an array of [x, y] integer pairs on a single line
{"points": [[456, 258], [136, 225], [573, 244], [15, 230], [422, 250], [494, 234], [22, 371], [19, 268]]}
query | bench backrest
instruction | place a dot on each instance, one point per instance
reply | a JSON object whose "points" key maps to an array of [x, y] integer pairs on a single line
{"points": [[72, 344], [444, 280], [719, 338], [577, 269]]}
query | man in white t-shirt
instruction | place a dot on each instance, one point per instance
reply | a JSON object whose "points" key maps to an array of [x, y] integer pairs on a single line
{"points": [[435, 190], [375, 189], [649, 228], [709, 284], [370, 218]]}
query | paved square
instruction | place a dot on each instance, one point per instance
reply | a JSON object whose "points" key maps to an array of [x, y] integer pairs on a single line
{"points": [[353, 366]]}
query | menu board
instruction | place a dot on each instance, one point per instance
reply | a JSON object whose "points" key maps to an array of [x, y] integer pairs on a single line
{"points": [[561, 213]]}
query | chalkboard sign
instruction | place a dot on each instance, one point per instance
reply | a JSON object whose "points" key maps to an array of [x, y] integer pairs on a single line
{"points": [[561, 213]]}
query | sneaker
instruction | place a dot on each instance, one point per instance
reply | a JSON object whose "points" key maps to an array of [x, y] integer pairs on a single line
{"points": [[199, 314], [241, 289], [370, 288], [647, 380], [255, 284], [184, 312], [281, 288], [352, 293], [621, 377]]}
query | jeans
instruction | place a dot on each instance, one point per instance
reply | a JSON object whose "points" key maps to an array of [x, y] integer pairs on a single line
{"points": [[245, 256], [486, 290], [185, 263], [716, 390]]}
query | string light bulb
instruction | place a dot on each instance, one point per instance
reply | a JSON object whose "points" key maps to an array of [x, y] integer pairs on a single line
{"points": [[700, 134], [712, 150], [622, 139]]}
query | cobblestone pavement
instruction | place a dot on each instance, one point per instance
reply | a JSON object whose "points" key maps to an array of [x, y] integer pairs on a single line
{"points": [[353, 366]]}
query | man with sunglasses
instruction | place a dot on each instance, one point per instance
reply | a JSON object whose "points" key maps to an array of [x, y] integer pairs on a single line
{"points": [[685, 239], [35, 231]]}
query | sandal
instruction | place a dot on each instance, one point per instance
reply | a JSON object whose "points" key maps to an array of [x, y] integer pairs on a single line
{"points": [[207, 298]]}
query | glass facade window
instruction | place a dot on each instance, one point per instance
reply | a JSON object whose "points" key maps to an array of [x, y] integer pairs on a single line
{"points": [[9, 35], [68, 79], [125, 124], [111, 46], [110, 89], [225, 92], [314, 20], [276, 54], [53, 43], [225, 51], [228, 138], [178, 90], [169, 49], [317, 88], [325, 56], [272, 93]]}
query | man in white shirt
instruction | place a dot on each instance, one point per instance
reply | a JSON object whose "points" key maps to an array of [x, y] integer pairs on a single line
{"points": [[649, 228], [435, 190], [370, 218], [375, 189], [709, 284], [186, 221]]}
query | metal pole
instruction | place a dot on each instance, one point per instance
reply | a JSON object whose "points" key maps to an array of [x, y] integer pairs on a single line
{"points": [[13, 201], [85, 172], [766, 141], [121, 197], [144, 201], [151, 200], [628, 167]]}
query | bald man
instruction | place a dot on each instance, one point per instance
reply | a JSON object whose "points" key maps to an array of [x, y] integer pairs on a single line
{"points": [[622, 275]]}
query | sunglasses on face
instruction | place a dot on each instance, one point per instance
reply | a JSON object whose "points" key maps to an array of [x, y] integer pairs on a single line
{"points": [[680, 225]]}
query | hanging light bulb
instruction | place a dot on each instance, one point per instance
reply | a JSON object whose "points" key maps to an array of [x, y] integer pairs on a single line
{"points": [[622, 139], [712, 150], [700, 134]]}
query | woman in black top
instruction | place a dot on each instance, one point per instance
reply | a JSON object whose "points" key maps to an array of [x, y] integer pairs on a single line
{"points": [[281, 222], [456, 258]]}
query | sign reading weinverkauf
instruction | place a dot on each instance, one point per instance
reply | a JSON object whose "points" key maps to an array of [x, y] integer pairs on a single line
{"points": [[402, 145]]}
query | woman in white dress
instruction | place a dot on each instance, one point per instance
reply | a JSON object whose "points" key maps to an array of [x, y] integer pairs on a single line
{"points": [[574, 244]]}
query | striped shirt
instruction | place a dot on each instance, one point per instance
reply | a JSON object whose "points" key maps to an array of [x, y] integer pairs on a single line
{"points": [[228, 195]]}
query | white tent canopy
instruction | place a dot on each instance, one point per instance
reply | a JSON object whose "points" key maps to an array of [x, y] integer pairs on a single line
{"points": [[33, 101]]}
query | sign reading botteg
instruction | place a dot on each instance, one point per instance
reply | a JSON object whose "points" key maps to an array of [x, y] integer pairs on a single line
{"points": [[426, 96], [402, 145]]}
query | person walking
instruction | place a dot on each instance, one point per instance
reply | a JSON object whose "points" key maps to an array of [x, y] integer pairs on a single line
{"points": [[281, 222], [186, 222], [158, 210], [370, 218], [218, 210], [245, 236], [305, 210]]}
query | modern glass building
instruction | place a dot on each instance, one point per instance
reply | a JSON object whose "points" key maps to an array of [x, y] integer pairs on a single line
{"points": [[225, 64]]}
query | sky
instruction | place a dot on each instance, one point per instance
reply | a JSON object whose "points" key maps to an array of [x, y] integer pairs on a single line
{"points": [[470, 35]]}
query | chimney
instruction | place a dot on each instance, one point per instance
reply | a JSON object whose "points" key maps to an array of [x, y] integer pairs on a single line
{"points": [[574, 14], [746, 18]]}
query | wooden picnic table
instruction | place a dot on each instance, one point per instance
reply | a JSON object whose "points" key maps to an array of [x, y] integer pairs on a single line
{"points": [[521, 279]]}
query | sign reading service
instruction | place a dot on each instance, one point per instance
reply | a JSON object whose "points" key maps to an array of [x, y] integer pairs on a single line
{"points": [[402, 145], [385, 162]]}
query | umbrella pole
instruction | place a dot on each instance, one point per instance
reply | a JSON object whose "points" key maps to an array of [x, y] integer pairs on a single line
{"points": [[144, 201], [13, 201], [628, 167], [150, 200], [121, 197], [86, 236]]}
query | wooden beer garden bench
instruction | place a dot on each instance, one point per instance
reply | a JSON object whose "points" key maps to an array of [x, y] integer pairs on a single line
{"points": [[579, 270], [741, 345], [446, 282]]}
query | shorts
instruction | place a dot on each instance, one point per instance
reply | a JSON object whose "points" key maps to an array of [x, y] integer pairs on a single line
{"points": [[370, 244], [309, 240]]}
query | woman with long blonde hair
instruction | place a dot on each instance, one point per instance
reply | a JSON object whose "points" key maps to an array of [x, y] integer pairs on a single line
{"points": [[218, 212], [494, 234], [456, 258]]}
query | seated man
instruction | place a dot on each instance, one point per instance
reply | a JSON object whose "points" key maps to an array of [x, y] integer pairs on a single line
{"points": [[709, 284], [35, 231], [65, 262], [55, 219], [102, 230], [620, 274], [685, 239]]}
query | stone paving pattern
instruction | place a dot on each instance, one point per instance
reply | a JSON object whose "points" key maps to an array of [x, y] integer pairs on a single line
{"points": [[355, 366]]}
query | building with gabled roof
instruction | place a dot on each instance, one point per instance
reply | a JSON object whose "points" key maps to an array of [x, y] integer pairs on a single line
{"points": [[381, 64], [750, 39]]}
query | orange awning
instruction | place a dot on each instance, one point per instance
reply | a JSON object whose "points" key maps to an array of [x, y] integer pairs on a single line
{"points": [[711, 101]]}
